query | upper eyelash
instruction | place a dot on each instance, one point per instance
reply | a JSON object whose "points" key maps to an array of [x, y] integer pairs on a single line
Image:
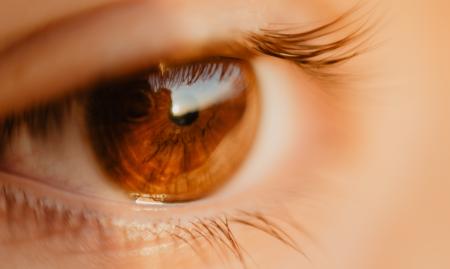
{"points": [[39, 120], [322, 47]]}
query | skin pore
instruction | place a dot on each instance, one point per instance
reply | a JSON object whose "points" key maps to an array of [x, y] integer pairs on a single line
{"points": [[360, 163]]}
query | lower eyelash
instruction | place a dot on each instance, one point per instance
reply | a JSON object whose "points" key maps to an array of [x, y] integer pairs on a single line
{"points": [[29, 218]]}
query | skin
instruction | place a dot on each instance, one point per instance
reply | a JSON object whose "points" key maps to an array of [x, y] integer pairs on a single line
{"points": [[377, 152]]}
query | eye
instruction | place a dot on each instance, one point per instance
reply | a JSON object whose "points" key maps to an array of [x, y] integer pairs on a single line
{"points": [[177, 152], [175, 134]]}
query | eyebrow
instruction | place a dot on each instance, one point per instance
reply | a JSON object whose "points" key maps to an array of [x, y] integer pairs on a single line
{"points": [[313, 48]]}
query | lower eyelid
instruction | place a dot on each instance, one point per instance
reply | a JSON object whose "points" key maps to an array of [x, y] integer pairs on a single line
{"points": [[102, 226], [29, 217], [42, 200], [132, 37], [30, 214]]}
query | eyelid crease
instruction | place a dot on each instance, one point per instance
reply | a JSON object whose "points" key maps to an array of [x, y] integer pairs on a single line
{"points": [[61, 19]]}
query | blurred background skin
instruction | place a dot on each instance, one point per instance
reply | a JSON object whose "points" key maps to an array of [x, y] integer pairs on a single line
{"points": [[387, 202]]}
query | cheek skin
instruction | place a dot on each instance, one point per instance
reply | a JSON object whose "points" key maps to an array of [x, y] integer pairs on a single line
{"points": [[391, 198]]}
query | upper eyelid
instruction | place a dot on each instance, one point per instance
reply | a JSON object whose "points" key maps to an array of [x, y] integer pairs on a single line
{"points": [[18, 68], [124, 42]]}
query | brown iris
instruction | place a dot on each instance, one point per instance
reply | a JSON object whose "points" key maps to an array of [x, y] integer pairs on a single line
{"points": [[177, 134]]}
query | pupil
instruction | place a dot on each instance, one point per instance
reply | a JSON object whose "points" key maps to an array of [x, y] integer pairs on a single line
{"points": [[185, 119]]}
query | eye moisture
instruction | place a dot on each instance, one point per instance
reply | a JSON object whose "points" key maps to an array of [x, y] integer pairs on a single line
{"points": [[175, 135]]}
